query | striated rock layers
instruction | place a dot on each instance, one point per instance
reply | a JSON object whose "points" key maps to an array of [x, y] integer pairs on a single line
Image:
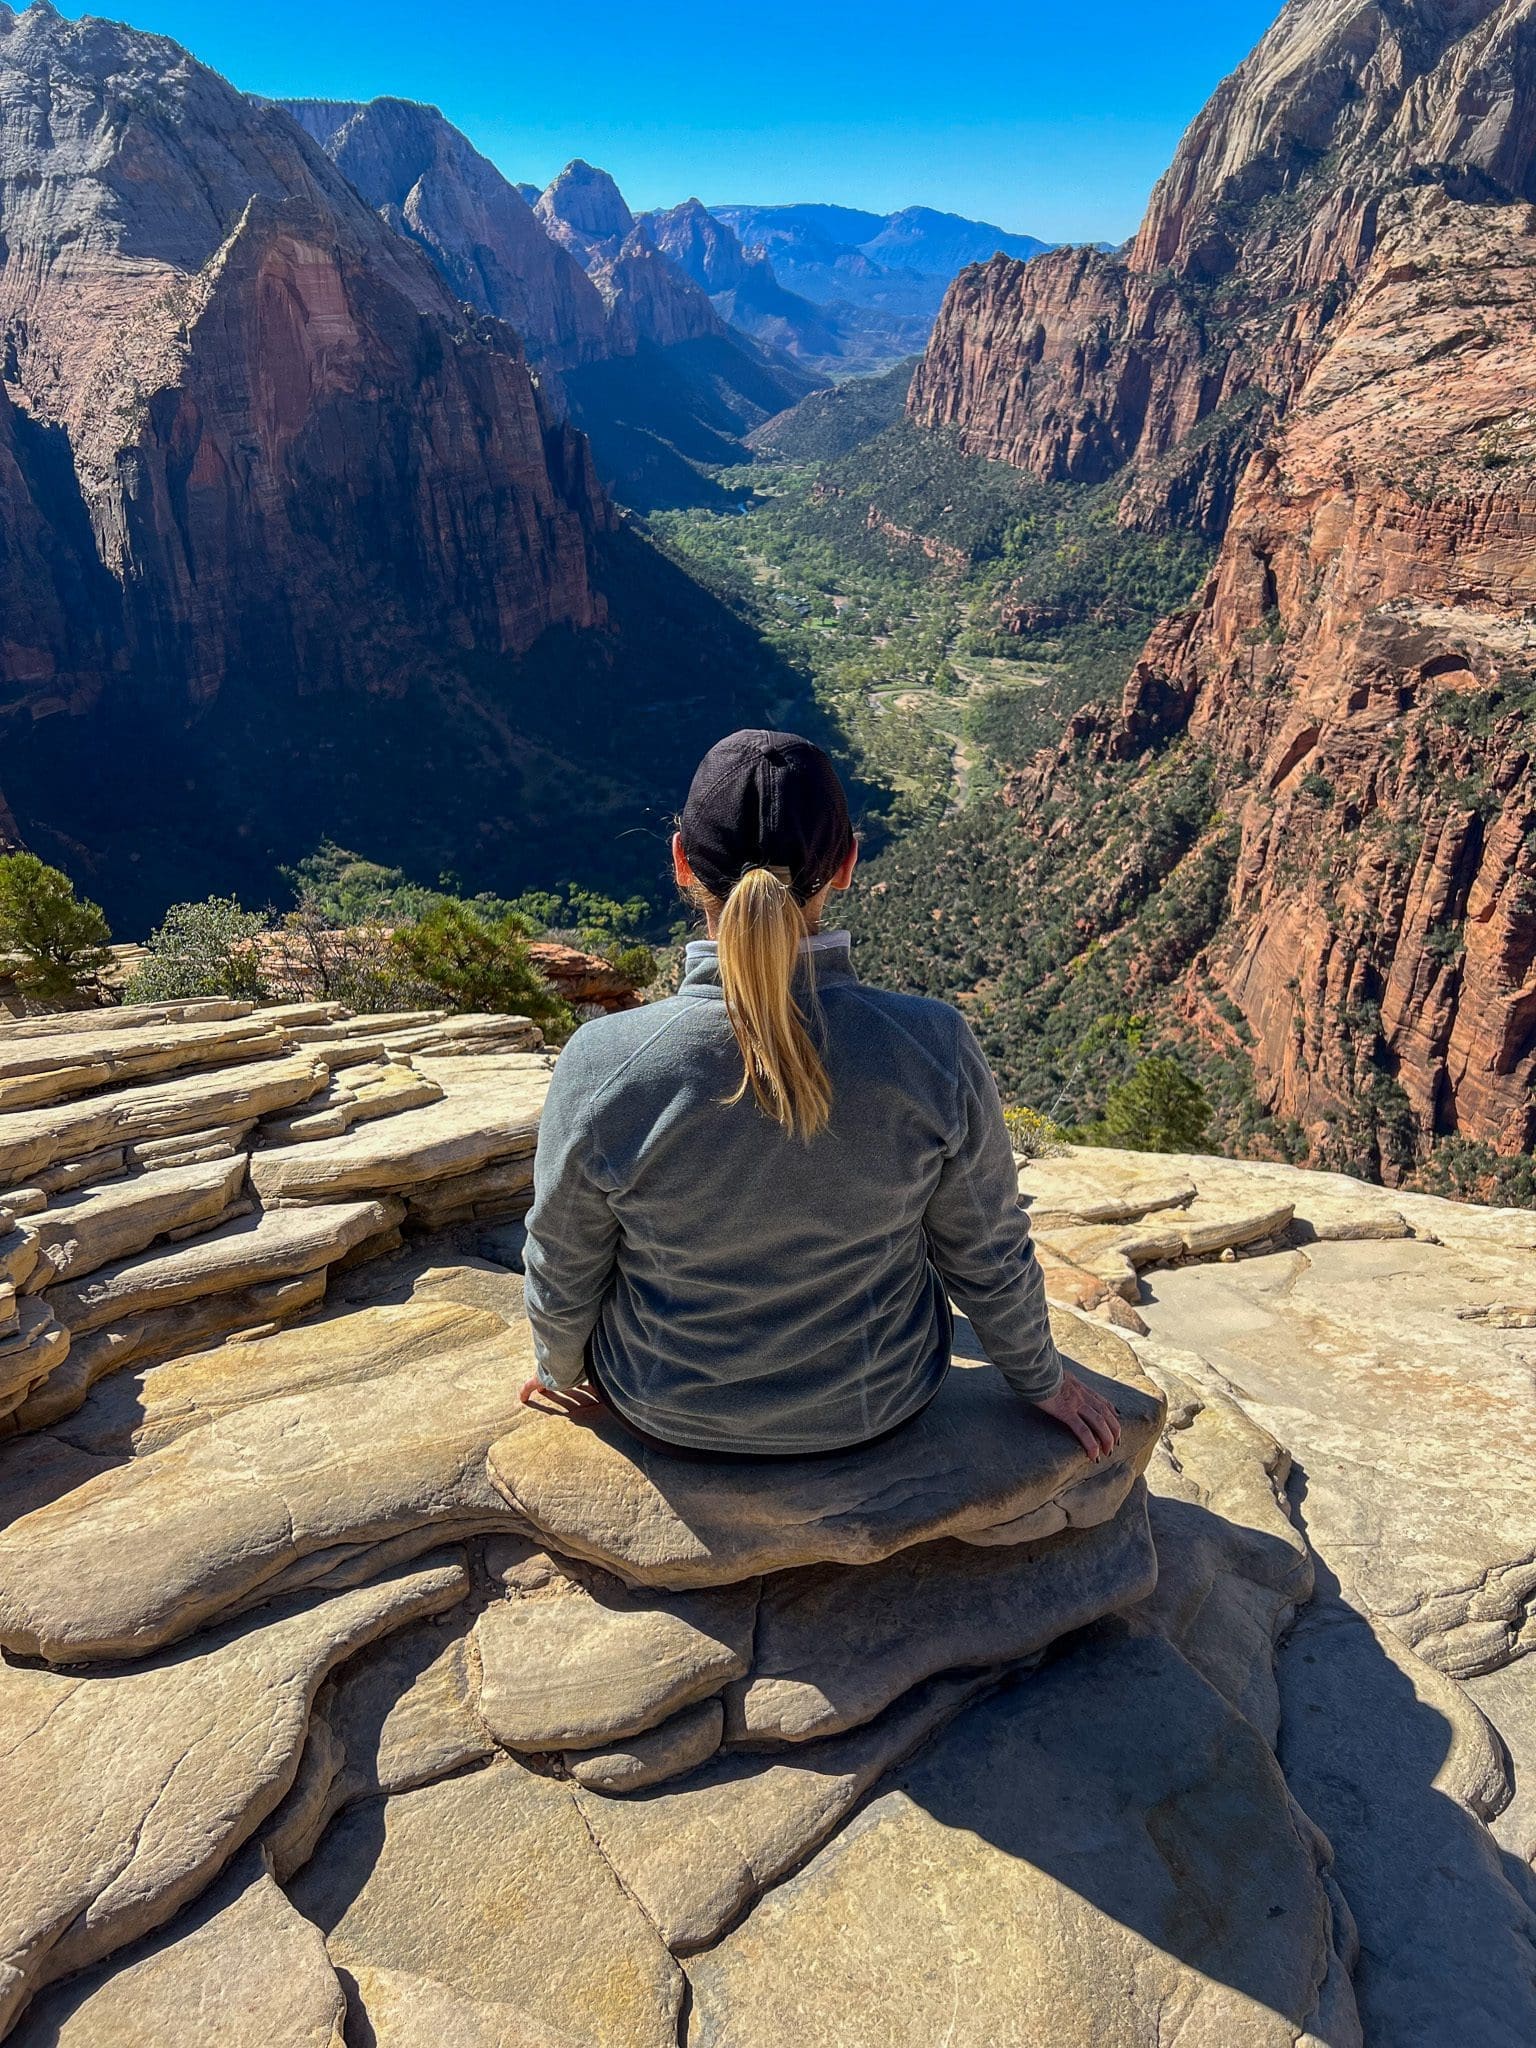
{"points": [[432, 185], [248, 440], [1342, 258], [1175, 356]]}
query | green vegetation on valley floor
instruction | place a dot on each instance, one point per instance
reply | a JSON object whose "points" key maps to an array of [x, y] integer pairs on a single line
{"points": [[949, 613]]}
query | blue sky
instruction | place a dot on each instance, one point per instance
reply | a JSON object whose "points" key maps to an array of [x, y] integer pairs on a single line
{"points": [[1052, 119]]}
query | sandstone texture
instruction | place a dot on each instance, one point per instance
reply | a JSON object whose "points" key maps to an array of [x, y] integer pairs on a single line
{"points": [[975, 1465], [182, 1173], [346, 1698]]}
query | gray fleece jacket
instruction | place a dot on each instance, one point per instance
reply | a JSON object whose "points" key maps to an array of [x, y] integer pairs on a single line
{"points": [[735, 1289]]}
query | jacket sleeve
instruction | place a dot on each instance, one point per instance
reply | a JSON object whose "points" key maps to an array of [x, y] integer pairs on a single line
{"points": [[979, 1237], [573, 1235]]}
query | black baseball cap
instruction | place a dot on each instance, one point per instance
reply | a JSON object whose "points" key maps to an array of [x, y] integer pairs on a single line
{"points": [[766, 800]]}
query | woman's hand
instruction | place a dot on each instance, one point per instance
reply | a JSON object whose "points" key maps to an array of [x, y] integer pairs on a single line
{"points": [[1088, 1415], [573, 1401]]}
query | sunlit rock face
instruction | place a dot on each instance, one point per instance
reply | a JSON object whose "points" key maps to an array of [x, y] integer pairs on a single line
{"points": [[433, 186], [327, 1661], [1175, 355], [1319, 345], [248, 432]]}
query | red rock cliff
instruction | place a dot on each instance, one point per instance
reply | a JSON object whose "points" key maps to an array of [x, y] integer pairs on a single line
{"points": [[1171, 361], [1360, 665], [1327, 320], [271, 423]]}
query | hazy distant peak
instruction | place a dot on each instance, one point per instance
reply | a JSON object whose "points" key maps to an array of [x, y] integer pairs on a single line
{"points": [[587, 200]]}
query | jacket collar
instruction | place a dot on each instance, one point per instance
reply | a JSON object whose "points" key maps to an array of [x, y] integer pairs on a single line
{"points": [[828, 955]]}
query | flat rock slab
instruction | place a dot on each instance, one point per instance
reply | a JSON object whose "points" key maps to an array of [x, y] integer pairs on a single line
{"points": [[835, 1646], [77, 1233], [1102, 1857], [566, 1665], [1398, 1767], [42, 1070], [480, 1903], [383, 1089], [147, 1410], [1401, 1414], [127, 1792], [490, 1111], [977, 1460], [695, 1856], [133, 1559], [161, 1334], [689, 1739], [35, 1138], [1091, 1185], [239, 1969], [276, 1245]]}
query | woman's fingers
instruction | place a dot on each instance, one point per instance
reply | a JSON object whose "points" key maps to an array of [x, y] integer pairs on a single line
{"points": [[559, 1400], [1082, 1429]]}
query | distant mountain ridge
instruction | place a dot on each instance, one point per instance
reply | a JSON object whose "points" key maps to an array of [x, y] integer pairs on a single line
{"points": [[904, 261], [625, 340]]}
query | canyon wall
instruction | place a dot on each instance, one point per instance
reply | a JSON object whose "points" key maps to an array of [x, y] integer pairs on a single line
{"points": [[1167, 363], [1325, 323], [434, 187]]}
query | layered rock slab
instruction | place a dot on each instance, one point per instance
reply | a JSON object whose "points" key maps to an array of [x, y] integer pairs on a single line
{"points": [[979, 1464], [271, 1245], [562, 1664], [78, 1233], [489, 1112], [130, 1790], [37, 1138], [833, 1647], [239, 1969], [160, 1334], [696, 1855], [1104, 1842], [34, 1071], [132, 1559], [478, 1910]]}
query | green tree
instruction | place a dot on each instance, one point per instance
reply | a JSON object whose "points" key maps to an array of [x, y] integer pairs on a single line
{"points": [[60, 941], [474, 961], [1159, 1109], [203, 949]]}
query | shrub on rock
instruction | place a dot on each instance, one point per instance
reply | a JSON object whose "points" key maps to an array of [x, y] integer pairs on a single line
{"points": [[203, 949], [474, 961], [59, 941], [1159, 1109]]}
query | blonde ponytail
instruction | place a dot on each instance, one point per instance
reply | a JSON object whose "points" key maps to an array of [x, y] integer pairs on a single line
{"points": [[759, 929]]}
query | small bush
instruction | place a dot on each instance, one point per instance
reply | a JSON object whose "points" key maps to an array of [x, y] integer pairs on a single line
{"points": [[60, 941], [1159, 1109], [1034, 1135], [203, 949], [476, 962]]}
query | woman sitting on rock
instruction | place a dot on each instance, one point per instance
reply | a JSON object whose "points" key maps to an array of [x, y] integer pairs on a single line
{"points": [[754, 1201]]}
